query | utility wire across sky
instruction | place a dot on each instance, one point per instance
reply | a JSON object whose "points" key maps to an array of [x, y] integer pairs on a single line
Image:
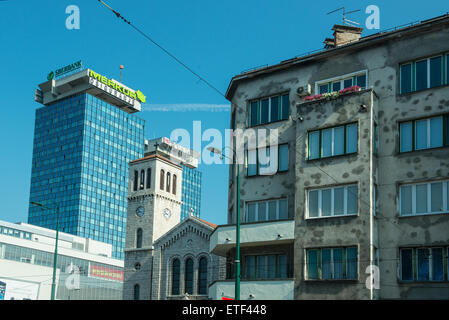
{"points": [[162, 48]]}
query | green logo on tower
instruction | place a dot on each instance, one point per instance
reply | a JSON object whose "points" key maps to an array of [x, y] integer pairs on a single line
{"points": [[141, 96]]}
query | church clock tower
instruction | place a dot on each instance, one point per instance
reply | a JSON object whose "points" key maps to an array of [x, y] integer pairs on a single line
{"points": [[154, 207]]}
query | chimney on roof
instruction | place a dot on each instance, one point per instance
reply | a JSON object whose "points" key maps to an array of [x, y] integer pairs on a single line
{"points": [[343, 35]]}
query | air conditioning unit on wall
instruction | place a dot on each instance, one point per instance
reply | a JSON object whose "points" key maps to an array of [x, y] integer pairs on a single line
{"points": [[305, 90]]}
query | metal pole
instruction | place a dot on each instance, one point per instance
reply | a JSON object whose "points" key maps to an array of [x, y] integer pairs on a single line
{"points": [[55, 259], [237, 248]]}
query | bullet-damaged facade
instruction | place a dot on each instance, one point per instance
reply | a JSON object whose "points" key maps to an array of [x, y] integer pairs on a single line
{"points": [[363, 169]]}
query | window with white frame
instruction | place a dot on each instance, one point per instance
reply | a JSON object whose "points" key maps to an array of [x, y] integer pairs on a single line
{"points": [[332, 142], [424, 198], [266, 110], [335, 201], [424, 73], [266, 210], [423, 264], [424, 133], [342, 82], [267, 160], [331, 263]]}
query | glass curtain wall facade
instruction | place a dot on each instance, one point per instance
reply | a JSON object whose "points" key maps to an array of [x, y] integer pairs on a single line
{"points": [[191, 192], [81, 154]]}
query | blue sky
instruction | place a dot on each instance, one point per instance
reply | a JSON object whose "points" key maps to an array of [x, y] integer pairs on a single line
{"points": [[217, 39]]}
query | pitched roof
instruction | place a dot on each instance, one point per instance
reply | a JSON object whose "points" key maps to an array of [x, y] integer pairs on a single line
{"points": [[206, 222]]}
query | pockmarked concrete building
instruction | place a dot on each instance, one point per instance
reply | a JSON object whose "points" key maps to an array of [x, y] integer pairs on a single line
{"points": [[358, 205], [85, 268], [164, 257]]}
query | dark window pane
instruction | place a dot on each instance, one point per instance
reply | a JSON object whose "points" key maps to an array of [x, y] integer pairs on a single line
{"points": [[336, 86], [436, 194], [352, 204], [339, 141], [188, 283], [338, 263], [435, 71], [285, 106], [407, 264], [324, 88], [421, 198], [313, 203], [314, 145], [446, 130], [406, 78], [326, 143], [339, 195], [421, 75], [405, 136], [421, 134], [326, 202], [176, 270], [437, 264], [436, 132], [326, 263], [348, 83], [312, 264], [254, 113], [274, 109], [351, 138], [351, 267], [423, 264], [264, 111], [361, 81], [406, 200]]}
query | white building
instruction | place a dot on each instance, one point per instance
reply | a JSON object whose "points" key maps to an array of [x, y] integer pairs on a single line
{"points": [[85, 268]]}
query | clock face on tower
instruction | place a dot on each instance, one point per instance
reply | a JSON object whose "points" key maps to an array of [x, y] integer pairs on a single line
{"points": [[166, 213], [140, 211]]}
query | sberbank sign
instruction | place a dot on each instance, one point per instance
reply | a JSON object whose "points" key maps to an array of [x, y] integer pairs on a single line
{"points": [[138, 95], [61, 71]]}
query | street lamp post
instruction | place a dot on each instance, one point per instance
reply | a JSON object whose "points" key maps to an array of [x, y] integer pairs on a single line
{"points": [[237, 225], [55, 258]]}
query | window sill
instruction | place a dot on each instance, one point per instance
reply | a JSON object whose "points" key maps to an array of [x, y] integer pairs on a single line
{"points": [[423, 90], [267, 175], [429, 150], [334, 157], [332, 280], [424, 214], [421, 282], [352, 215]]}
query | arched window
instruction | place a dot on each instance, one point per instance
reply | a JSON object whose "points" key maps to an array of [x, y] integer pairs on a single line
{"points": [[136, 178], [188, 277], [162, 178], [174, 184], [202, 276], [142, 179], [148, 178], [136, 292], [168, 181], [176, 275], [139, 236]]}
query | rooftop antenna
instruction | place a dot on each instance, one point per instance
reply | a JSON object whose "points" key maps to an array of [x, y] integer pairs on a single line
{"points": [[346, 20], [121, 69]]}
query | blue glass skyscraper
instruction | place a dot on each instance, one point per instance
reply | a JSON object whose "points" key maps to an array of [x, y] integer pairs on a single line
{"points": [[191, 192], [81, 154]]}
